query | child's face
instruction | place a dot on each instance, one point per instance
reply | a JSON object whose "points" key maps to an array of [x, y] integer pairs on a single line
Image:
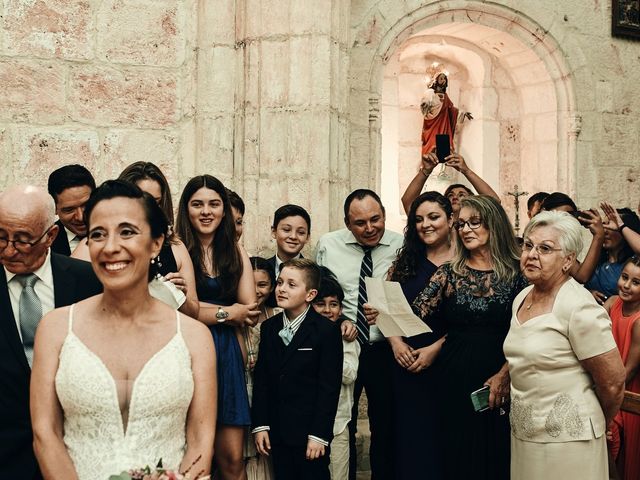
{"points": [[629, 284], [238, 222], [263, 286], [328, 307], [291, 235], [291, 290]]}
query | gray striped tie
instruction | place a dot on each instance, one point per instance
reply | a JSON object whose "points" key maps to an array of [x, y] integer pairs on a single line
{"points": [[366, 270], [30, 312]]}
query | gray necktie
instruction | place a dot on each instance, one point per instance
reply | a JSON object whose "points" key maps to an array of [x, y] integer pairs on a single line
{"points": [[30, 312]]}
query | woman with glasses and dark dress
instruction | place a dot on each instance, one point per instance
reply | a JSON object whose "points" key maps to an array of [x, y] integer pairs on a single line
{"points": [[471, 296]]}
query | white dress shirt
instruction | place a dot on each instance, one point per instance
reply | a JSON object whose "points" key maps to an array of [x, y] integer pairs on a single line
{"points": [[340, 252], [280, 262], [72, 238], [294, 324], [43, 288]]}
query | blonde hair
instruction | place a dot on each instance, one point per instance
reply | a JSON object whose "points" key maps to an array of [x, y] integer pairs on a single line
{"points": [[504, 249]]}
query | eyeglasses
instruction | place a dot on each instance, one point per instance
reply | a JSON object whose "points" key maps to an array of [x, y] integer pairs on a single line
{"points": [[21, 245], [541, 248], [472, 223]]}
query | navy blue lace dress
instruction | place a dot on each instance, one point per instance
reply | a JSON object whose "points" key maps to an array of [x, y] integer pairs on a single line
{"points": [[476, 310], [233, 401], [416, 415]]}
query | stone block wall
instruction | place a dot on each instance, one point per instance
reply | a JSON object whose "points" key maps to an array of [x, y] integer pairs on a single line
{"points": [[101, 83], [596, 145], [281, 99]]}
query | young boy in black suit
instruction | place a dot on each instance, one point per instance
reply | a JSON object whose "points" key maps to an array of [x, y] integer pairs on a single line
{"points": [[297, 379]]}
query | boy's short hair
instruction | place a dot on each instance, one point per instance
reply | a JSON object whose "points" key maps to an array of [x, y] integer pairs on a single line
{"points": [[291, 210], [69, 176], [310, 270], [536, 197], [236, 201], [329, 286], [558, 199]]}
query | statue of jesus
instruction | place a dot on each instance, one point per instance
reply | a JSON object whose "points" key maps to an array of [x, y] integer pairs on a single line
{"points": [[440, 115]]}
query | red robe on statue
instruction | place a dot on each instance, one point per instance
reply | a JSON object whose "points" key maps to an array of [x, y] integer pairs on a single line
{"points": [[443, 123]]}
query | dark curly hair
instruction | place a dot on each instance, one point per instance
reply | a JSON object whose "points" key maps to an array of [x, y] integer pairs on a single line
{"points": [[404, 267]]}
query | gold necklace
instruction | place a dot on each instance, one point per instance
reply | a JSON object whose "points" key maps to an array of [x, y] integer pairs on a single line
{"points": [[528, 307]]}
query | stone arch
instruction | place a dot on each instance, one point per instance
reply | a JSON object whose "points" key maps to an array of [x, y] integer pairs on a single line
{"points": [[388, 31]]}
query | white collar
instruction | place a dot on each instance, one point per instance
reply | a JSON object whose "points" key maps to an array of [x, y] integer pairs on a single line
{"points": [[44, 273]]}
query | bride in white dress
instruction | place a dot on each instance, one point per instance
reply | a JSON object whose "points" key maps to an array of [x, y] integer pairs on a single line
{"points": [[121, 380]]}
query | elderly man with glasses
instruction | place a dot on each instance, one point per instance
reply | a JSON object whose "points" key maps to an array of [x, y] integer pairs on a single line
{"points": [[33, 281]]}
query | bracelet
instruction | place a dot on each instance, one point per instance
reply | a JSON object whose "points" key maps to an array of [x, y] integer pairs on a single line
{"points": [[421, 170], [621, 227]]}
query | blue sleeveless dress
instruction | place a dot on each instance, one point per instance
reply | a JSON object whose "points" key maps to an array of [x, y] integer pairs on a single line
{"points": [[233, 401]]}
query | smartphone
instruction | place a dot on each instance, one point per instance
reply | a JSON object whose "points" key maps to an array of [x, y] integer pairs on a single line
{"points": [[480, 399], [443, 147], [576, 214]]}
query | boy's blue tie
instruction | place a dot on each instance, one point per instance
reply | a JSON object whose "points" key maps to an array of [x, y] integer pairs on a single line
{"points": [[286, 334]]}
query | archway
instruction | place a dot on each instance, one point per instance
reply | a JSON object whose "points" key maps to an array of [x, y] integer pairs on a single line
{"points": [[504, 69]]}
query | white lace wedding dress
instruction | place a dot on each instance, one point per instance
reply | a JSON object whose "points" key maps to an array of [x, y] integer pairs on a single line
{"points": [[94, 433]]}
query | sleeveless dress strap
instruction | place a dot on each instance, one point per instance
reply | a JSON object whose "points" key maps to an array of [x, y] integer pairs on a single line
{"points": [[71, 317], [178, 322]]}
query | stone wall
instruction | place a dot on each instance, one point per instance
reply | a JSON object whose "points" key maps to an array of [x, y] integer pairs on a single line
{"points": [[282, 98], [102, 83], [596, 153]]}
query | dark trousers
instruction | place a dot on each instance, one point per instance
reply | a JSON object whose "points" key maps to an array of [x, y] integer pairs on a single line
{"points": [[375, 377], [290, 463]]}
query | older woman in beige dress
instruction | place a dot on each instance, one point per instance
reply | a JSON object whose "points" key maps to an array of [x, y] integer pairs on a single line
{"points": [[567, 379]]}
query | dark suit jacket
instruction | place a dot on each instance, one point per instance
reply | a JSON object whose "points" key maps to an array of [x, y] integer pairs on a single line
{"points": [[296, 387], [61, 243], [73, 280]]}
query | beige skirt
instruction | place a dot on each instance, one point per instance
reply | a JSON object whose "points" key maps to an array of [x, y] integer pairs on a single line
{"points": [[584, 460]]}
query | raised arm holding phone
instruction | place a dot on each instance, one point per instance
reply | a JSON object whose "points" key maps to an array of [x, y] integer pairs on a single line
{"points": [[453, 160]]}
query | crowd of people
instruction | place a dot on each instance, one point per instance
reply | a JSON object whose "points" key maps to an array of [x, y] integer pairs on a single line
{"points": [[159, 338]]}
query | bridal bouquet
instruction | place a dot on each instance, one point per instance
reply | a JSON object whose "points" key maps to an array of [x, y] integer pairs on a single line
{"points": [[159, 473]]}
